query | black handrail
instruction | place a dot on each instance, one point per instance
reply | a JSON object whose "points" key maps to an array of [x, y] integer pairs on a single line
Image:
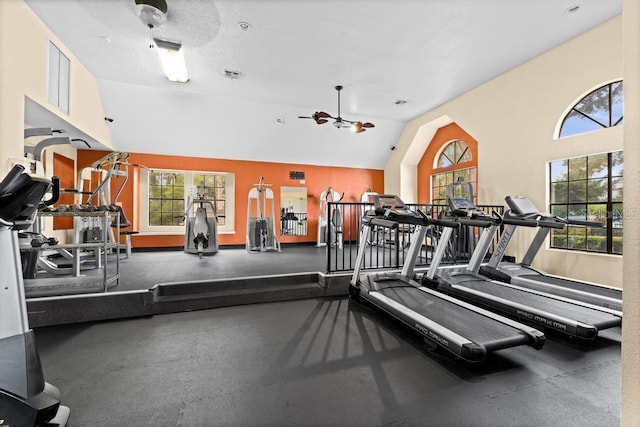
{"points": [[386, 247]]}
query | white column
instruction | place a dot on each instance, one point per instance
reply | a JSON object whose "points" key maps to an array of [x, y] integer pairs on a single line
{"points": [[631, 270]]}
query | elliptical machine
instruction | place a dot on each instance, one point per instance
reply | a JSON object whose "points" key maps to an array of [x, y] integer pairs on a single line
{"points": [[201, 234], [25, 398]]}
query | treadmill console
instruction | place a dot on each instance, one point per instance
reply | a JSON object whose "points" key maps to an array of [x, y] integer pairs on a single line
{"points": [[390, 206], [461, 206], [388, 201], [521, 205]]}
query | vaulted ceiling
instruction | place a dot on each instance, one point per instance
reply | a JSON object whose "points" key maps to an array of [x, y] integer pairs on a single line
{"points": [[289, 60]]}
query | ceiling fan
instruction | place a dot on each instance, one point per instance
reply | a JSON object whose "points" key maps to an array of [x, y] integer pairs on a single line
{"points": [[320, 117]]}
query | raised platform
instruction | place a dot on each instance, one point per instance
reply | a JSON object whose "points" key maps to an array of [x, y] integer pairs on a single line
{"points": [[172, 297]]}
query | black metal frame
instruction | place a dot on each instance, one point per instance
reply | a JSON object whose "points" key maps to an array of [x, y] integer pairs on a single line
{"points": [[387, 247]]}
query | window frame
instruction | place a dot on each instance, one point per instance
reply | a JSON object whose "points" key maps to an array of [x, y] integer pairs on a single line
{"points": [[612, 204], [467, 164], [571, 110], [189, 185], [59, 79]]}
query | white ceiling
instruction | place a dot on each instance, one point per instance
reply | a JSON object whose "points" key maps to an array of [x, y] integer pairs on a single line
{"points": [[423, 51]]}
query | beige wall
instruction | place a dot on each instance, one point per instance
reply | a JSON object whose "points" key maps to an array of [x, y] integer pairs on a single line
{"points": [[514, 118], [24, 44]]}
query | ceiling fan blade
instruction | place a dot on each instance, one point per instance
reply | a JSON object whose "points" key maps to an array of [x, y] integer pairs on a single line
{"points": [[321, 121], [305, 117], [323, 114], [368, 125]]}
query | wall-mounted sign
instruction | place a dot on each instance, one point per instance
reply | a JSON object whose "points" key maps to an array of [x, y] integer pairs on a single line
{"points": [[296, 175]]}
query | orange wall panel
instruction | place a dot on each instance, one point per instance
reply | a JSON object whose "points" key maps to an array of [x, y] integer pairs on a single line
{"points": [[353, 182], [425, 167]]}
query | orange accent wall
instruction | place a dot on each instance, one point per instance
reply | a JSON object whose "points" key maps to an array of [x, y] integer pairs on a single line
{"points": [[443, 136], [353, 182]]}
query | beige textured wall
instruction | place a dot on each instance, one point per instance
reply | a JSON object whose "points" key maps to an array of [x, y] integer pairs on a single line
{"points": [[24, 44], [514, 118], [631, 325]]}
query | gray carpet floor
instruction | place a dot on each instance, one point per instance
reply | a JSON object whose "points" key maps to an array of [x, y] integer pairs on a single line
{"points": [[316, 362], [145, 269]]}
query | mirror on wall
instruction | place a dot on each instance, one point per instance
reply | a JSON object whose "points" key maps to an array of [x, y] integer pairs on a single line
{"points": [[293, 211]]}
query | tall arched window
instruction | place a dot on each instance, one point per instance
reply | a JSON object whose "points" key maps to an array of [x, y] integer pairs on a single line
{"points": [[601, 108], [590, 187], [454, 162]]}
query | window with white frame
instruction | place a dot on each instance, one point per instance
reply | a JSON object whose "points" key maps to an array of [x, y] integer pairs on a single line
{"points": [[165, 193], [59, 78]]}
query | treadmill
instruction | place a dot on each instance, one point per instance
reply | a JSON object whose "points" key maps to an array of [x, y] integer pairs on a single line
{"points": [[26, 399], [544, 310], [462, 329], [522, 274]]}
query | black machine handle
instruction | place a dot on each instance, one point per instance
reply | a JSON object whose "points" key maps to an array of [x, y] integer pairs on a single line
{"points": [[584, 223], [474, 222], [553, 224], [55, 192], [11, 177], [384, 223], [444, 223], [528, 222]]}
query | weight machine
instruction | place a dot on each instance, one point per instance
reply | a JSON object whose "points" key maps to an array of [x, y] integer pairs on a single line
{"points": [[201, 227], [261, 227]]}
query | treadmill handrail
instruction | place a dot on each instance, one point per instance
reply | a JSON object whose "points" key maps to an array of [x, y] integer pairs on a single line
{"points": [[519, 204], [514, 219], [584, 223], [544, 221], [475, 222], [384, 223]]}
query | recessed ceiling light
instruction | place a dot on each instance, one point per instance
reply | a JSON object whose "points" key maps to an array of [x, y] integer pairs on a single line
{"points": [[280, 120], [572, 9], [244, 25], [401, 102]]}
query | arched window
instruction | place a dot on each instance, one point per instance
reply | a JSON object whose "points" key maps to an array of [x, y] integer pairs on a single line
{"points": [[455, 152], [602, 108], [454, 162]]}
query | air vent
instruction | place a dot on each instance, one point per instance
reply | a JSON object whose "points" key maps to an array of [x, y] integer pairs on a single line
{"points": [[232, 74]]}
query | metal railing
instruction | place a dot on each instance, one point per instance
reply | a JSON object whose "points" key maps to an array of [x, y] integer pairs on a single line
{"points": [[386, 248]]}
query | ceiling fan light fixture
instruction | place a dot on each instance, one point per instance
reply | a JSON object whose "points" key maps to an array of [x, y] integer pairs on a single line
{"points": [[153, 13], [172, 58], [321, 117]]}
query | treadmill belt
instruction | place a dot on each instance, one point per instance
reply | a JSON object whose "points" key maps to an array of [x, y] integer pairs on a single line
{"points": [[572, 284], [469, 324], [599, 319]]}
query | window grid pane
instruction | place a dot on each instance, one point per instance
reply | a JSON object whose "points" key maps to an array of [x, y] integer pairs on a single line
{"points": [[214, 188], [599, 109], [166, 198], [582, 191], [441, 180]]}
